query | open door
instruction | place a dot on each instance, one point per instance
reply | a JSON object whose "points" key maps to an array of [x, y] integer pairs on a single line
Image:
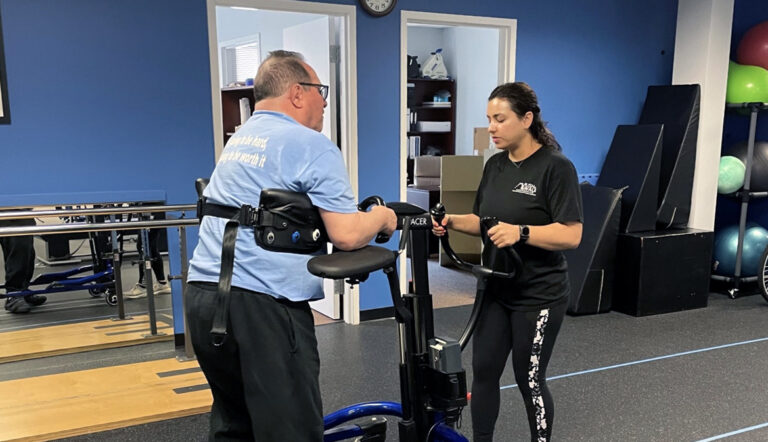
{"points": [[328, 42], [468, 40], [314, 40]]}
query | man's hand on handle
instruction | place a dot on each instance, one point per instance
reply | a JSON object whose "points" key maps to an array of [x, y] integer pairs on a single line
{"points": [[389, 219]]}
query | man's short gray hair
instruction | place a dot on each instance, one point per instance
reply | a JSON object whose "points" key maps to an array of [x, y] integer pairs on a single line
{"points": [[277, 73]]}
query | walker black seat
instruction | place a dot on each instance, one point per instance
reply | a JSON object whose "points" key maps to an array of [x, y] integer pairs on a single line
{"points": [[340, 265]]}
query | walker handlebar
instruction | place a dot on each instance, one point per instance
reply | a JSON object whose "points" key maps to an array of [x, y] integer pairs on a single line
{"points": [[364, 205], [438, 213], [482, 273]]}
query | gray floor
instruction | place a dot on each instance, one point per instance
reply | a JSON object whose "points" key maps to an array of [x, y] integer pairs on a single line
{"points": [[683, 376]]}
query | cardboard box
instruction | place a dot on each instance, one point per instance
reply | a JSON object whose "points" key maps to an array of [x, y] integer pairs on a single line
{"points": [[426, 171], [482, 140]]}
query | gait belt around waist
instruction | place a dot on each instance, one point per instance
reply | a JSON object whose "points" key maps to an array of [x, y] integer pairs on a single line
{"points": [[285, 221]]}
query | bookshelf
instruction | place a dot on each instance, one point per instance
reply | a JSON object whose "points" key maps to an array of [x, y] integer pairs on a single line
{"points": [[439, 134], [230, 107]]}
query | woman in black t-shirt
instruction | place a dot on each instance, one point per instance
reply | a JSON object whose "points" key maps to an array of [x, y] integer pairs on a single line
{"points": [[533, 190]]}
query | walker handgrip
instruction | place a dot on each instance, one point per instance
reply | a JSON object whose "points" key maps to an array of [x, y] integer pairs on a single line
{"points": [[381, 237], [486, 223], [438, 213]]}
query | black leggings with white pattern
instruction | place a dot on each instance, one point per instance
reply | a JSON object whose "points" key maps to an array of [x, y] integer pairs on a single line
{"points": [[530, 336]]}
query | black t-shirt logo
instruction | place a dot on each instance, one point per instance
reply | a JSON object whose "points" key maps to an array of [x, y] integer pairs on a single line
{"points": [[525, 188]]}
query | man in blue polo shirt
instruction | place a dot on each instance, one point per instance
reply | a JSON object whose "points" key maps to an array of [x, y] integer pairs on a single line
{"points": [[265, 376]]}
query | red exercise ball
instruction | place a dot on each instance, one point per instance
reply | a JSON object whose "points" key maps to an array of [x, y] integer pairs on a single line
{"points": [[753, 47]]}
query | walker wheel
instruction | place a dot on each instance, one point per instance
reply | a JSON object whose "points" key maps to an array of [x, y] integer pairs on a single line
{"points": [[96, 292], [111, 297]]}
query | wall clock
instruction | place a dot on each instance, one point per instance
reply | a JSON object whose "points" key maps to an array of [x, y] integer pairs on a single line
{"points": [[378, 8]]}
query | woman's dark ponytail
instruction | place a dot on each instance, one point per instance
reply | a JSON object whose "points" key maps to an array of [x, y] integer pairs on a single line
{"points": [[523, 99]]}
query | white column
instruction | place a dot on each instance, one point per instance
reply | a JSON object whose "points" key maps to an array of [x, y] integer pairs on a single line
{"points": [[702, 49]]}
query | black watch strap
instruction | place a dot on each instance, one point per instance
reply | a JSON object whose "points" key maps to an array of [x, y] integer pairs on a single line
{"points": [[525, 233]]}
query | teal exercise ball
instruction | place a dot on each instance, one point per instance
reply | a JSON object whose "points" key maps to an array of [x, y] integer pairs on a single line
{"points": [[726, 244], [731, 175], [758, 180]]}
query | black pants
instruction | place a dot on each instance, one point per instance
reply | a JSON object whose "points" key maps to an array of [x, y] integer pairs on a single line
{"points": [[530, 336], [19, 255], [154, 252], [265, 378]]}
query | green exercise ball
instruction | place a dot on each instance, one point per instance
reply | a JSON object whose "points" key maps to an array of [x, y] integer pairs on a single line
{"points": [[746, 84], [731, 176]]}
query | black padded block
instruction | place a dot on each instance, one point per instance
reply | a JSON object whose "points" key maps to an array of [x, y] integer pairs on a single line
{"points": [[663, 271], [591, 266], [633, 161], [677, 108]]}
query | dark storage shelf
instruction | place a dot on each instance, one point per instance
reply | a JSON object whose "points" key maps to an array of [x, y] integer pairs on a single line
{"points": [[237, 88], [751, 110], [752, 195], [732, 279], [421, 91], [230, 107], [757, 105]]}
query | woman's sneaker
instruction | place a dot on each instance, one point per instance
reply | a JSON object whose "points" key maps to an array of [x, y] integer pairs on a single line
{"points": [[138, 291], [161, 288]]}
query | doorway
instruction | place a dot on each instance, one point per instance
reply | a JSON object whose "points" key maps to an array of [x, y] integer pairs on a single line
{"points": [[479, 54], [325, 35]]}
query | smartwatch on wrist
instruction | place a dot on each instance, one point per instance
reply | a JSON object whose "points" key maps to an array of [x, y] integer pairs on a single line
{"points": [[525, 233]]}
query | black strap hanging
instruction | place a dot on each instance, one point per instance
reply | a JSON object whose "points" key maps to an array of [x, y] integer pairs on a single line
{"points": [[221, 315]]}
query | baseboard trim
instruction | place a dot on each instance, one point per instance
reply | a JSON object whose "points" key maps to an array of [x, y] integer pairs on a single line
{"points": [[377, 313]]}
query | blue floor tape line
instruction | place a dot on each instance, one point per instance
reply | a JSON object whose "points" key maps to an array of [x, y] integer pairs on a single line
{"points": [[642, 361], [734, 433]]}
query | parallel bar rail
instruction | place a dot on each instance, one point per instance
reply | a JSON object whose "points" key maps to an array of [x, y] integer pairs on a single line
{"points": [[112, 226], [27, 214], [95, 227]]}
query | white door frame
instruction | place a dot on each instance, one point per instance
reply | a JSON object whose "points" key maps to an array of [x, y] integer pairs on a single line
{"points": [[348, 106], [507, 28]]}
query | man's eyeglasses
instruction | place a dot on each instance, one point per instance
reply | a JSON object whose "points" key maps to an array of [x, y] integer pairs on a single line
{"points": [[321, 88]]}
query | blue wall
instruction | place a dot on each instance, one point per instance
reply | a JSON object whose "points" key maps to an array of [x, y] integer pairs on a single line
{"points": [[109, 101], [746, 14], [115, 96], [590, 63], [106, 96]]}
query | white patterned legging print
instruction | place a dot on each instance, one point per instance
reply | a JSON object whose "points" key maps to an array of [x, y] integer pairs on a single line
{"points": [[530, 337]]}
